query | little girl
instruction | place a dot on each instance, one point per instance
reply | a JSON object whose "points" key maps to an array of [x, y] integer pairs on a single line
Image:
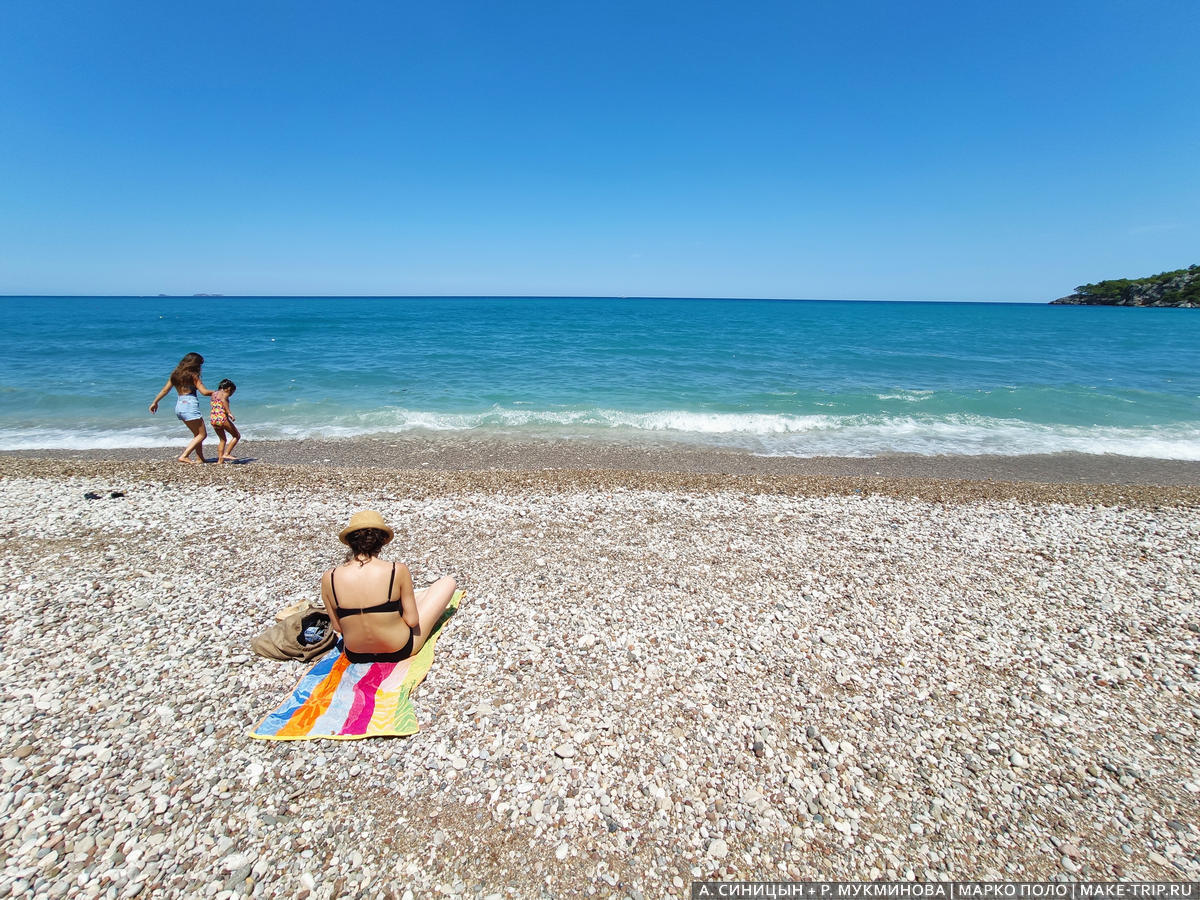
{"points": [[222, 420]]}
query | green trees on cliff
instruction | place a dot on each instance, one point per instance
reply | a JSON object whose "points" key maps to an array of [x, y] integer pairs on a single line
{"points": [[1169, 288]]}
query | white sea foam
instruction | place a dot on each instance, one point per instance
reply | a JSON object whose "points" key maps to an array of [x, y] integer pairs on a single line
{"points": [[976, 435], [761, 433], [85, 438], [506, 419]]}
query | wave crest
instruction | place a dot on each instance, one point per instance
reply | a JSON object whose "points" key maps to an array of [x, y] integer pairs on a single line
{"points": [[761, 433]]}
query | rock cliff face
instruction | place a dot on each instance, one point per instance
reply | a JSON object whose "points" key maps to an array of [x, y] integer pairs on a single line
{"points": [[1180, 288]]}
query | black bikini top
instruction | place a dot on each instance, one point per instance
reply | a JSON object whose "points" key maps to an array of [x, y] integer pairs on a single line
{"points": [[389, 606]]}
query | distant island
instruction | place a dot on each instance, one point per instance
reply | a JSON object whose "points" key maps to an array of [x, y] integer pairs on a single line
{"points": [[1179, 288]]}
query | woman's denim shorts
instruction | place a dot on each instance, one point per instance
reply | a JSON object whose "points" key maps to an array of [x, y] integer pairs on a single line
{"points": [[187, 408]]}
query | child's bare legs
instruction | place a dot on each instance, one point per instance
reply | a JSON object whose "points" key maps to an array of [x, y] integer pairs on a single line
{"points": [[196, 426], [233, 441], [220, 430], [431, 603]]}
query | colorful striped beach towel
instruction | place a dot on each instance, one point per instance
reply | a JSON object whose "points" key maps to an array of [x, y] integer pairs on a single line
{"points": [[343, 701]]}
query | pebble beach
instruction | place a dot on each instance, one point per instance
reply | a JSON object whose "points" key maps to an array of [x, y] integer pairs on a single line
{"points": [[655, 677]]}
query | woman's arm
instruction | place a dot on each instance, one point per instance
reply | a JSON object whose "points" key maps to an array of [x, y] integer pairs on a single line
{"points": [[154, 405], [327, 596], [202, 389], [408, 600]]}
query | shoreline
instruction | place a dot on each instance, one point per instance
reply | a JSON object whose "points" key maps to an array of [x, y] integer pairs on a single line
{"points": [[446, 466], [473, 454], [428, 482]]}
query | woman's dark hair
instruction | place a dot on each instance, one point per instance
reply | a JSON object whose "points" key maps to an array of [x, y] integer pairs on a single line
{"points": [[187, 372], [226, 385], [365, 542]]}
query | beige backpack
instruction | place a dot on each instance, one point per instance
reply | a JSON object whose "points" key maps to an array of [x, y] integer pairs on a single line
{"points": [[282, 640]]}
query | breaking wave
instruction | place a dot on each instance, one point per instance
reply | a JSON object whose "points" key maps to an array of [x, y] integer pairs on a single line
{"points": [[760, 433]]}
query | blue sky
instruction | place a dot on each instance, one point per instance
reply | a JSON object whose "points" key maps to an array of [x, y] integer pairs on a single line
{"points": [[881, 150]]}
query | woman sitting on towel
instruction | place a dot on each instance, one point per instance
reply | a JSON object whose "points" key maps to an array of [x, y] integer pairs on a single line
{"points": [[371, 602]]}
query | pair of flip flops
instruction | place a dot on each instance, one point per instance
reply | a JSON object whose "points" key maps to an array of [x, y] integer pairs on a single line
{"points": [[92, 495]]}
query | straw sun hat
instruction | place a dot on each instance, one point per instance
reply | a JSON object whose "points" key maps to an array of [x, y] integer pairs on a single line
{"points": [[366, 518]]}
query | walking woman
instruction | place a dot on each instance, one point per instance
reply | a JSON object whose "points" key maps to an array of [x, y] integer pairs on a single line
{"points": [[186, 381]]}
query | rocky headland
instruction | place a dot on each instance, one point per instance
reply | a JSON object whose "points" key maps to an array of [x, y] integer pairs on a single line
{"points": [[1180, 288]]}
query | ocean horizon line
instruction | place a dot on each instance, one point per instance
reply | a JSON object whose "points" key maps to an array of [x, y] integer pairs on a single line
{"points": [[649, 297]]}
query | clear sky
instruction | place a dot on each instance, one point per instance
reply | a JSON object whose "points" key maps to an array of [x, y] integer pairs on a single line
{"points": [[852, 149]]}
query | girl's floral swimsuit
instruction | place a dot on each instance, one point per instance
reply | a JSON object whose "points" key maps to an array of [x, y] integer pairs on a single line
{"points": [[218, 413]]}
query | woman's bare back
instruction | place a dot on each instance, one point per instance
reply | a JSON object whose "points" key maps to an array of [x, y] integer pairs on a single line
{"points": [[369, 604]]}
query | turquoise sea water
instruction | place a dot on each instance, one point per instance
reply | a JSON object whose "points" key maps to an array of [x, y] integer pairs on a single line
{"points": [[798, 378]]}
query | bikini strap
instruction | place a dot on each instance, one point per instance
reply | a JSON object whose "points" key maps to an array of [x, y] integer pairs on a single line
{"points": [[332, 589], [391, 581]]}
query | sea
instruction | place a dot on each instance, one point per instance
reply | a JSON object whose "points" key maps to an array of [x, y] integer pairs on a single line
{"points": [[773, 377]]}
